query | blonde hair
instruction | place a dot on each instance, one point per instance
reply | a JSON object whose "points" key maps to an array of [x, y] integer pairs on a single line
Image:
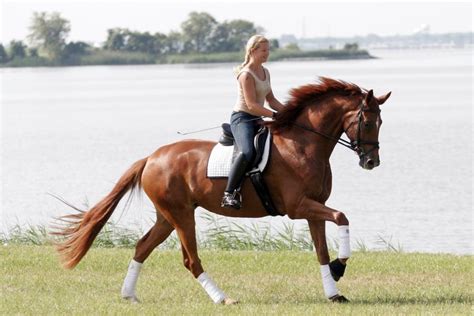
{"points": [[252, 44]]}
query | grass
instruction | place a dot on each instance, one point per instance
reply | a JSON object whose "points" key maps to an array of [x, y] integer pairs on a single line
{"points": [[266, 282], [221, 234], [270, 271]]}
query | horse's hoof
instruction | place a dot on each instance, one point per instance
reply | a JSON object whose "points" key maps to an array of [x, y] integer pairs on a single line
{"points": [[132, 299], [339, 299], [229, 301]]}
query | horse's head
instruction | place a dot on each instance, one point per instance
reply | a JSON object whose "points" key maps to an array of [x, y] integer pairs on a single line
{"points": [[362, 126]]}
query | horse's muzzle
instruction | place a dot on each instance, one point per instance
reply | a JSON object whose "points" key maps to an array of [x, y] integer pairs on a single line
{"points": [[369, 163]]}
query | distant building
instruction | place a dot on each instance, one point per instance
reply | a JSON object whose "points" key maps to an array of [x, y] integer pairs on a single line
{"points": [[422, 29], [420, 38], [286, 39]]}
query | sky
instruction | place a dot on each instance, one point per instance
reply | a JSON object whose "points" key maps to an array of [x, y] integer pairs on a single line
{"points": [[90, 19]]}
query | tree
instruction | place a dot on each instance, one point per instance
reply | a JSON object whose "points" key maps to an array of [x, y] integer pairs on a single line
{"points": [[274, 43], [239, 33], [351, 47], [32, 52], [115, 39], [16, 49], [3, 55], [160, 43], [197, 30], [49, 33], [126, 40], [76, 48], [174, 43], [140, 42], [219, 39], [231, 36]]}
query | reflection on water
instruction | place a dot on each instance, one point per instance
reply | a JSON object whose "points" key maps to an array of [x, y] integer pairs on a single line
{"points": [[74, 131]]}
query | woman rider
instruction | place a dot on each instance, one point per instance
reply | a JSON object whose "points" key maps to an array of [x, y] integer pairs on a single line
{"points": [[254, 89]]}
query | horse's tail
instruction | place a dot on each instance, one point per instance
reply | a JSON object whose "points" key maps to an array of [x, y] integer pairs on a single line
{"points": [[82, 228]]}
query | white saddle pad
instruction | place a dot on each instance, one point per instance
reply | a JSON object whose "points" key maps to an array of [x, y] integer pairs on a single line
{"points": [[220, 160]]}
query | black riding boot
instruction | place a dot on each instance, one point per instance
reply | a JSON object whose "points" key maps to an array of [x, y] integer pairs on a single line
{"points": [[232, 196]]}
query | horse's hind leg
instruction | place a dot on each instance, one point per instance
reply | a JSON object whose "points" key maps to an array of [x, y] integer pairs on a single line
{"points": [[187, 235], [155, 236]]}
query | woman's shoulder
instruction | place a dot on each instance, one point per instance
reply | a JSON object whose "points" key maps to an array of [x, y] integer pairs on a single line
{"points": [[246, 70], [250, 73], [245, 74]]}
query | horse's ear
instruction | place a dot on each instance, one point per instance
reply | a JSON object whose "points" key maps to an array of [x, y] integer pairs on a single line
{"points": [[384, 98], [369, 96]]}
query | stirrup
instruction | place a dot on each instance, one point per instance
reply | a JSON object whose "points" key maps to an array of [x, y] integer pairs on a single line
{"points": [[232, 200]]}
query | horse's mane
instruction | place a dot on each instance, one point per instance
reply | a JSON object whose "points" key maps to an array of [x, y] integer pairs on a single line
{"points": [[309, 94]]}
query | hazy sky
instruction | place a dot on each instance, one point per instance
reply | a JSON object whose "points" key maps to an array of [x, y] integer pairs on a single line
{"points": [[90, 19]]}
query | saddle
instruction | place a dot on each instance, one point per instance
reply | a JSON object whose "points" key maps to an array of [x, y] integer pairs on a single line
{"points": [[227, 139], [254, 172]]}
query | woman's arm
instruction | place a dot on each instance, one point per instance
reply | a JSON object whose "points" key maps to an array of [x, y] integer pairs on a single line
{"points": [[248, 86], [273, 102]]}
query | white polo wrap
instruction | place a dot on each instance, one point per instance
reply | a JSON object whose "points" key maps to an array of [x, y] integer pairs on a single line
{"points": [[130, 282], [211, 288], [344, 242], [329, 285]]}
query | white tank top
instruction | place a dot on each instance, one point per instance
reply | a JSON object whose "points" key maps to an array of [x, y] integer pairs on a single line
{"points": [[262, 88]]}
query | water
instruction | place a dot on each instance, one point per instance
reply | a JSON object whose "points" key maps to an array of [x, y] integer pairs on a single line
{"points": [[73, 132]]}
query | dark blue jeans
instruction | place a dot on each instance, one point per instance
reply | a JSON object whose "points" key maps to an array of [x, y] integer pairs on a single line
{"points": [[244, 126]]}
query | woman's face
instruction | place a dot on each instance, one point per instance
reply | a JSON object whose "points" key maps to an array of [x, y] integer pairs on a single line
{"points": [[261, 53]]}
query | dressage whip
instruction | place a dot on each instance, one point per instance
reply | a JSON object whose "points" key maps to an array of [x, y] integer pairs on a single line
{"points": [[198, 131], [211, 128]]}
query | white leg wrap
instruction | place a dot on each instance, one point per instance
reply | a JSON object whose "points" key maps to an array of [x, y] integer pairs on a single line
{"points": [[128, 287], [329, 285], [344, 242], [211, 288]]}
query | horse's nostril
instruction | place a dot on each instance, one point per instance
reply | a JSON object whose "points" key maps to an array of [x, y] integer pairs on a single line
{"points": [[370, 163]]}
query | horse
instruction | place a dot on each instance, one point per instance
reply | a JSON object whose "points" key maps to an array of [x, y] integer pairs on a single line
{"points": [[298, 177]]}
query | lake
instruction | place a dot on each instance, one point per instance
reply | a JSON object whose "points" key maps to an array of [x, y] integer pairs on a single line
{"points": [[73, 131]]}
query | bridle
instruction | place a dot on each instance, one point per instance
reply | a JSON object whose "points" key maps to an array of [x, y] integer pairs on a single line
{"points": [[355, 145]]}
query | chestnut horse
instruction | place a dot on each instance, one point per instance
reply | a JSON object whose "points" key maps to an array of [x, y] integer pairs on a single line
{"points": [[298, 177]]}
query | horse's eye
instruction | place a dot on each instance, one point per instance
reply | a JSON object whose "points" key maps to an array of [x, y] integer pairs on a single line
{"points": [[368, 125]]}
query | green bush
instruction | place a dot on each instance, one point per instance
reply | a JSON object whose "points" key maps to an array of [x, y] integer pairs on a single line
{"points": [[107, 57]]}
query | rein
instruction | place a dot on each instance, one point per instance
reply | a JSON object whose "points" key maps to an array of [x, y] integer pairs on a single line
{"points": [[339, 140], [352, 145]]}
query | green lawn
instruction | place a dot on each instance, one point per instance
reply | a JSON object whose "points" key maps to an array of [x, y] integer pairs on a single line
{"points": [[273, 282]]}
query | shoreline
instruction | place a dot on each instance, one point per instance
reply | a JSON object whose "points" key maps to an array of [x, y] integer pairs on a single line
{"points": [[113, 58]]}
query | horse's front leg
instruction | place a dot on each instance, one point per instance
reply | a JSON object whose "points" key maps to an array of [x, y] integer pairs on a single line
{"points": [[317, 213], [318, 233]]}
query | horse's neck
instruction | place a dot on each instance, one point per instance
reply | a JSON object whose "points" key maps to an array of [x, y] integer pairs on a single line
{"points": [[310, 146]]}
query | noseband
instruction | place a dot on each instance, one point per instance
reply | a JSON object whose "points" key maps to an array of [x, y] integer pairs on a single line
{"points": [[355, 145]]}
